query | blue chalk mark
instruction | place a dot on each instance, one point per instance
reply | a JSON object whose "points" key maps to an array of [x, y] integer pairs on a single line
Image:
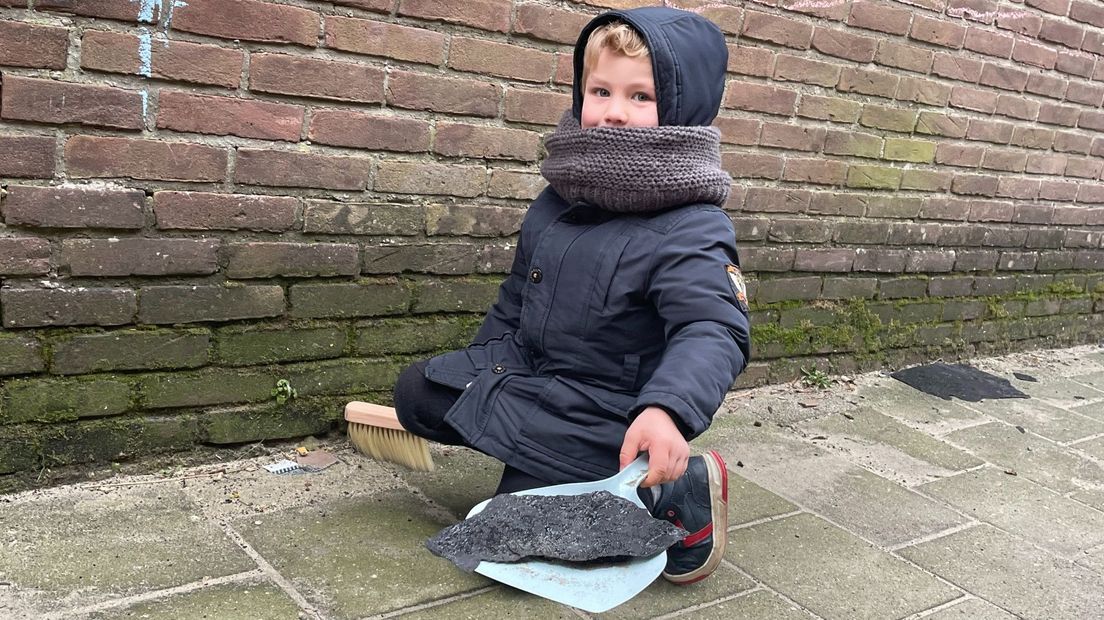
{"points": [[145, 102], [145, 10], [145, 53], [173, 5]]}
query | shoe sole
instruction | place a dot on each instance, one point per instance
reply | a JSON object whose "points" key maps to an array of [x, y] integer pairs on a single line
{"points": [[718, 500]]}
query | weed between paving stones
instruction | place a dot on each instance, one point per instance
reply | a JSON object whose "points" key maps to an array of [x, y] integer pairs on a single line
{"points": [[595, 526]]}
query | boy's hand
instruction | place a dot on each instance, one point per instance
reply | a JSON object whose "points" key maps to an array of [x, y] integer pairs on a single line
{"points": [[668, 453]]}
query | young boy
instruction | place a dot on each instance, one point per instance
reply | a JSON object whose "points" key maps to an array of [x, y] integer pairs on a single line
{"points": [[623, 321]]}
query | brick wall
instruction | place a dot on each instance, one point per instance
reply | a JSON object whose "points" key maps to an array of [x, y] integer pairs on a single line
{"points": [[204, 197]]}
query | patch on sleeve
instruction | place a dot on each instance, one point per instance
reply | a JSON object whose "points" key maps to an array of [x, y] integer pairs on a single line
{"points": [[739, 287]]}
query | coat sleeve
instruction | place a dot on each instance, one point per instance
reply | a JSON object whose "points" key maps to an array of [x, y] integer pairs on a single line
{"points": [[705, 325], [505, 314]]}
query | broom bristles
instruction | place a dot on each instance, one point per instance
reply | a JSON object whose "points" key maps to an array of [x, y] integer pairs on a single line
{"points": [[379, 442]]}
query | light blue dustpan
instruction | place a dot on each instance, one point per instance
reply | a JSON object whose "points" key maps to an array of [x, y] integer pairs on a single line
{"points": [[590, 587]]}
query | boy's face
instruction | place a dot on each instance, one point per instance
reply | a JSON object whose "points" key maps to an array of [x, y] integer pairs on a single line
{"points": [[619, 92]]}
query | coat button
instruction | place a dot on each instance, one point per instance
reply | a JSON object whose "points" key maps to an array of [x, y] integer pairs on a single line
{"points": [[498, 369], [536, 276]]}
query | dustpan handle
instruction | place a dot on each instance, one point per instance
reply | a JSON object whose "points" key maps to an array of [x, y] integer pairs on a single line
{"points": [[633, 474]]}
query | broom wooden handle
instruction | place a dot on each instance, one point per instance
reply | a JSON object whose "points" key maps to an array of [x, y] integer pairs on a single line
{"points": [[372, 415]]}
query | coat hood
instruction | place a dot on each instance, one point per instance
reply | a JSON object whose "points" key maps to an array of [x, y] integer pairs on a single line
{"points": [[689, 60]]}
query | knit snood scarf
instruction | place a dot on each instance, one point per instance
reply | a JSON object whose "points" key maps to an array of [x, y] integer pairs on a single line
{"points": [[635, 169]]}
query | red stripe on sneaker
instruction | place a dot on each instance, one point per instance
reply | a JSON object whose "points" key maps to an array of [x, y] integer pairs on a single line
{"points": [[698, 536]]}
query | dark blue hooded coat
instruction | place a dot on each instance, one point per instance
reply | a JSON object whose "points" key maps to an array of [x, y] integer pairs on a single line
{"points": [[604, 314]]}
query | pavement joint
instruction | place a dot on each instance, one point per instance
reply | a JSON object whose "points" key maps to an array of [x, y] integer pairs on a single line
{"points": [[936, 536], [742, 526], [760, 585], [437, 603]]}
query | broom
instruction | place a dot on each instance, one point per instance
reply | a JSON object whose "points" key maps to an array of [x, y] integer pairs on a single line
{"points": [[375, 431]]}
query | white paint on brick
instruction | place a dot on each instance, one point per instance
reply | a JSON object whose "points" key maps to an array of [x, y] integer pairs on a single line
{"points": [[145, 53], [145, 10]]}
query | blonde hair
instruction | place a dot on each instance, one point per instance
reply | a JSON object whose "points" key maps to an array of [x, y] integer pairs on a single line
{"points": [[617, 37]]}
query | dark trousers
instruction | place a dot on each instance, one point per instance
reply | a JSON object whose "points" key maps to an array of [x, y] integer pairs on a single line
{"points": [[421, 406]]}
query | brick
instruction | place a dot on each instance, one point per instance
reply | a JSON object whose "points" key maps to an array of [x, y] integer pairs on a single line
{"points": [[341, 218], [1034, 54], [1005, 78], [51, 400], [1076, 64], [751, 229], [1093, 194], [742, 131], [130, 350], [935, 124], [974, 185], [940, 208], [880, 261], [776, 200], [476, 221], [1070, 215], [829, 109], [170, 59], [824, 260], [1054, 114], [531, 106], [51, 101], [997, 132], [430, 178], [775, 29], [1033, 214], [989, 43], [798, 231], [493, 15], [99, 156], [565, 69], [901, 56], [1017, 261], [1091, 120], [1046, 85], [990, 211], [978, 100], [377, 6], [873, 177], [139, 257], [862, 232], [758, 98], [894, 207], [955, 67], [926, 180], [1020, 22], [500, 59], [757, 259], [752, 165], [1097, 149], [747, 60], [866, 82], [301, 169], [793, 137], [161, 305], [923, 90], [796, 69], [27, 156], [1057, 7], [788, 289], [32, 307], [20, 356], [1007, 160], [937, 32], [818, 171], [1032, 137], [846, 45], [550, 24], [1018, 187], [57, 207], [463, 140], [953, 287], [123, 10], [849, 288], [515, 184], [34, 46], [918, 151], [1070, 35], [435, 258], [297, 260], [248, 20], [983, 11], [1094, 42], [929, 261], [374, 132], [904, 288], [976, 260], [1043, 163], [880, 16], [853, 143], [374, 38], [417, 91], [247, 346], [1088, 94], [203, 211], [1017, 106], [1087, 12], [1072, 142], [890, 119], [223, 116], [1071, 239], [309, 77], [24, 256], [835, 203], [727, 18]]}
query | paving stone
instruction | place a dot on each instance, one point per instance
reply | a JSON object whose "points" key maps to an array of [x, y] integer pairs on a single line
{"points": [[1092, 447], [861, 501], [1091, 497], [1041, 418], [85, 545], [1092, 410], [461, 479], [971, 609], [925, 412], [231, 601], [889, 447], [832, 573], [1027, 581], [1094, 380], [359, 556], [757, 604], [1058, 391], [1030, 456], [664, 597], [1021, 507], [501, 602]]}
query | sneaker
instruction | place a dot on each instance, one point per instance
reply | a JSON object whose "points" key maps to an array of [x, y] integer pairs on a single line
{"points": [[698, 503]]}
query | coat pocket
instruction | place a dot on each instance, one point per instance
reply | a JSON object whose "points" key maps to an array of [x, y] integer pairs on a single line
{"points": [[570, 428], [598, 297]]}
